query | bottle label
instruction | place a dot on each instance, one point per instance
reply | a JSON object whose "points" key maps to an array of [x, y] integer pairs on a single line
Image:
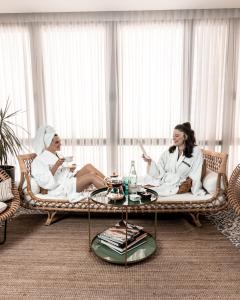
{"points": [[132, 179], [132, 188]]}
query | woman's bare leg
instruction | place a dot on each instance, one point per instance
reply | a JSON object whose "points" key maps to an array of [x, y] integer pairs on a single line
{"points": [[89, 169], [87, 179]]}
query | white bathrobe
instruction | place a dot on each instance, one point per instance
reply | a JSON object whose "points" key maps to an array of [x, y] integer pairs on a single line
{"points": [[171, 171], [63, 183]]}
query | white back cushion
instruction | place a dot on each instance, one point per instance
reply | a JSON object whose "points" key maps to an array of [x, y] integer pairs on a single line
{"points": [[6, 190], [34, 186], [210, 182]]}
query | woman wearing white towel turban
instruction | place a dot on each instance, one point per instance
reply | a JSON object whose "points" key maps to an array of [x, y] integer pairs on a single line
{"points": [[50, 173]]}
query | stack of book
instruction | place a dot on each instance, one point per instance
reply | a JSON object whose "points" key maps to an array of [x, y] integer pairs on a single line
{"points": [[115, 237]]}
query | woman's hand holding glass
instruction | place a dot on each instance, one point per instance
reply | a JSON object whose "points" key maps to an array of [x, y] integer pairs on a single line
{"points": [[66, 162], [59, 162]]}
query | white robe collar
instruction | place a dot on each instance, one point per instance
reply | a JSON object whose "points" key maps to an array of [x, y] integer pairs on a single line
{"points": [[180, 159]]}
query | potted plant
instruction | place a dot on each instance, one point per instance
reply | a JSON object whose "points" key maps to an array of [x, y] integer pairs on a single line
{"points": [[9, 142]]}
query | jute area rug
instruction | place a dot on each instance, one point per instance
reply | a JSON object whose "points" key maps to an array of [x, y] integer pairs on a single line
{"points": [[226, 221], [54, 262]]}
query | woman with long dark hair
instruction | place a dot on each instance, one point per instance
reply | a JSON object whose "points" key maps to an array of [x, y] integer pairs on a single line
{"points": [[179, 168]]}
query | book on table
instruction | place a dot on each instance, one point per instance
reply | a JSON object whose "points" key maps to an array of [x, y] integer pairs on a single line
{"points": [[116, 237]]}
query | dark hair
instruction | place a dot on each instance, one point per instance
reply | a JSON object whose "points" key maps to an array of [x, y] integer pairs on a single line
{"points": [[190, 141]]}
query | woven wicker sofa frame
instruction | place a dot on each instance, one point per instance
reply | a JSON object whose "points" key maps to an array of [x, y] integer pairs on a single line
{"points": [[13, 205], [215, 162], [234, 189]]}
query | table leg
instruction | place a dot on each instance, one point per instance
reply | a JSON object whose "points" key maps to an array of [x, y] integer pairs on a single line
{"points": [[4, 233], [155, 225], [89, 225], [126, 237]]}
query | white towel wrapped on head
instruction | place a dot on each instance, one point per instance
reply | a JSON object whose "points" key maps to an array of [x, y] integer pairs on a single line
{"points": [[43, 138]]}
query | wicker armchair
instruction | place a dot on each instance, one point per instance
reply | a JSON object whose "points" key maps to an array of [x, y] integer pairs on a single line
{"points": [[234, 190], [13, 205]]}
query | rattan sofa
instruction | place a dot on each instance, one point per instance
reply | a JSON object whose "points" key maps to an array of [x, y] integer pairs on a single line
{"points": [[12, 205], [186, 203]]}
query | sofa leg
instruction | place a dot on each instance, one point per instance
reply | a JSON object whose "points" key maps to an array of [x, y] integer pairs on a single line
{"points": [[4, 234], [195, 218], [50, 217]]}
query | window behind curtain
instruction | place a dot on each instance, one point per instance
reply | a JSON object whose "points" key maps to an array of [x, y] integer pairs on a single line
{"points": [[74, 79], [150, 60], [16, 78], [234, 148], [209, 46], [150, 71]]}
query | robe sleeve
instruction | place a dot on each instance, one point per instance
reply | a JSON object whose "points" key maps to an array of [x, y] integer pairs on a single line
{"points": [[158, 170], [196, 172], [43, 175]]}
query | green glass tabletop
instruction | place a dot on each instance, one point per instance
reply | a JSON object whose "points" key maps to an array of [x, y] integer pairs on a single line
{"points": [[141, 252], [100, 196]]}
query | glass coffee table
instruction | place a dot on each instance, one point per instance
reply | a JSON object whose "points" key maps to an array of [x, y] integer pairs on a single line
{"points": [[135, 254]]}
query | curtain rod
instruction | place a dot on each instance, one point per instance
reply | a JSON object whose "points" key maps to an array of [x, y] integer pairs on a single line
{"points": [[162, 15]]}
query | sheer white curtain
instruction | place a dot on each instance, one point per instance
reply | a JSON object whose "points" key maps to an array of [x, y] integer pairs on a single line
{"points": [[150, 69], [215, 108], [209, 46], [234, 147], [16, 79], [74, 71], [171, 72]]}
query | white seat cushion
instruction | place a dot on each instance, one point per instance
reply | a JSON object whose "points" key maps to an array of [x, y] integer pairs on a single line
{"points": [[3, 206], [184, 197]]}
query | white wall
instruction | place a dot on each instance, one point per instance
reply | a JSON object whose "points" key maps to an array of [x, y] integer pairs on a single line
{"points": [[28, 6]]}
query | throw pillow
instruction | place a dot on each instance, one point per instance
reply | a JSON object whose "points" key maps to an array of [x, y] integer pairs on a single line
{"points": [[34, 186], [3, 206], [185, 186], [6, 190], [210, 181]]}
